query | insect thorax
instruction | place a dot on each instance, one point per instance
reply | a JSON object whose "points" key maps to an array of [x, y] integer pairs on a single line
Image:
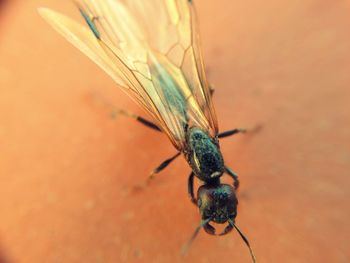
{"points": [[203, 155]]}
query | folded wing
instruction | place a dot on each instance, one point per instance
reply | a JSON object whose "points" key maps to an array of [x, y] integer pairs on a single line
{"points": [[155, 59]]}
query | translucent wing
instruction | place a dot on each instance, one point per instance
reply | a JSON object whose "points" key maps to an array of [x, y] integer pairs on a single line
{"points": [[178, 38], [155, 59]]}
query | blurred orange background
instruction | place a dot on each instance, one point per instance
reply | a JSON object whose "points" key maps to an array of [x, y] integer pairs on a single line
{"points": [[67, 169]]}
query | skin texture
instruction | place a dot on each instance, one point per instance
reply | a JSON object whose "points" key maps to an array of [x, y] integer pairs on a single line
{"points": [[68, 171]]}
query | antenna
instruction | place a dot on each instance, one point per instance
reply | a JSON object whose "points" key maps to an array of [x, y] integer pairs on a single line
{"points": [[185, 248], [245, 239]]}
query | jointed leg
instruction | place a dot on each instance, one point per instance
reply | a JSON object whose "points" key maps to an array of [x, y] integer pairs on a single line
{"points": [[255, 129], [163, 165], [231, 132], [234, 177], [99, 100], [145, 122], [190, 188]]}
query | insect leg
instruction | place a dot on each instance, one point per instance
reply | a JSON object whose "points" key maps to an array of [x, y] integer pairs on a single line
{"points": [[162, 166], [231, 132], [190, 188], [116, 111], [234, 177], [254, 130], [145, 122]]}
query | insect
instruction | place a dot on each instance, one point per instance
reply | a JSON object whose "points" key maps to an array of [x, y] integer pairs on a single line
{"points": [[156, 59]]}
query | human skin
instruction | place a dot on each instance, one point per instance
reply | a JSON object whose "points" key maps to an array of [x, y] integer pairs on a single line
{"points": [[70, 174]]}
